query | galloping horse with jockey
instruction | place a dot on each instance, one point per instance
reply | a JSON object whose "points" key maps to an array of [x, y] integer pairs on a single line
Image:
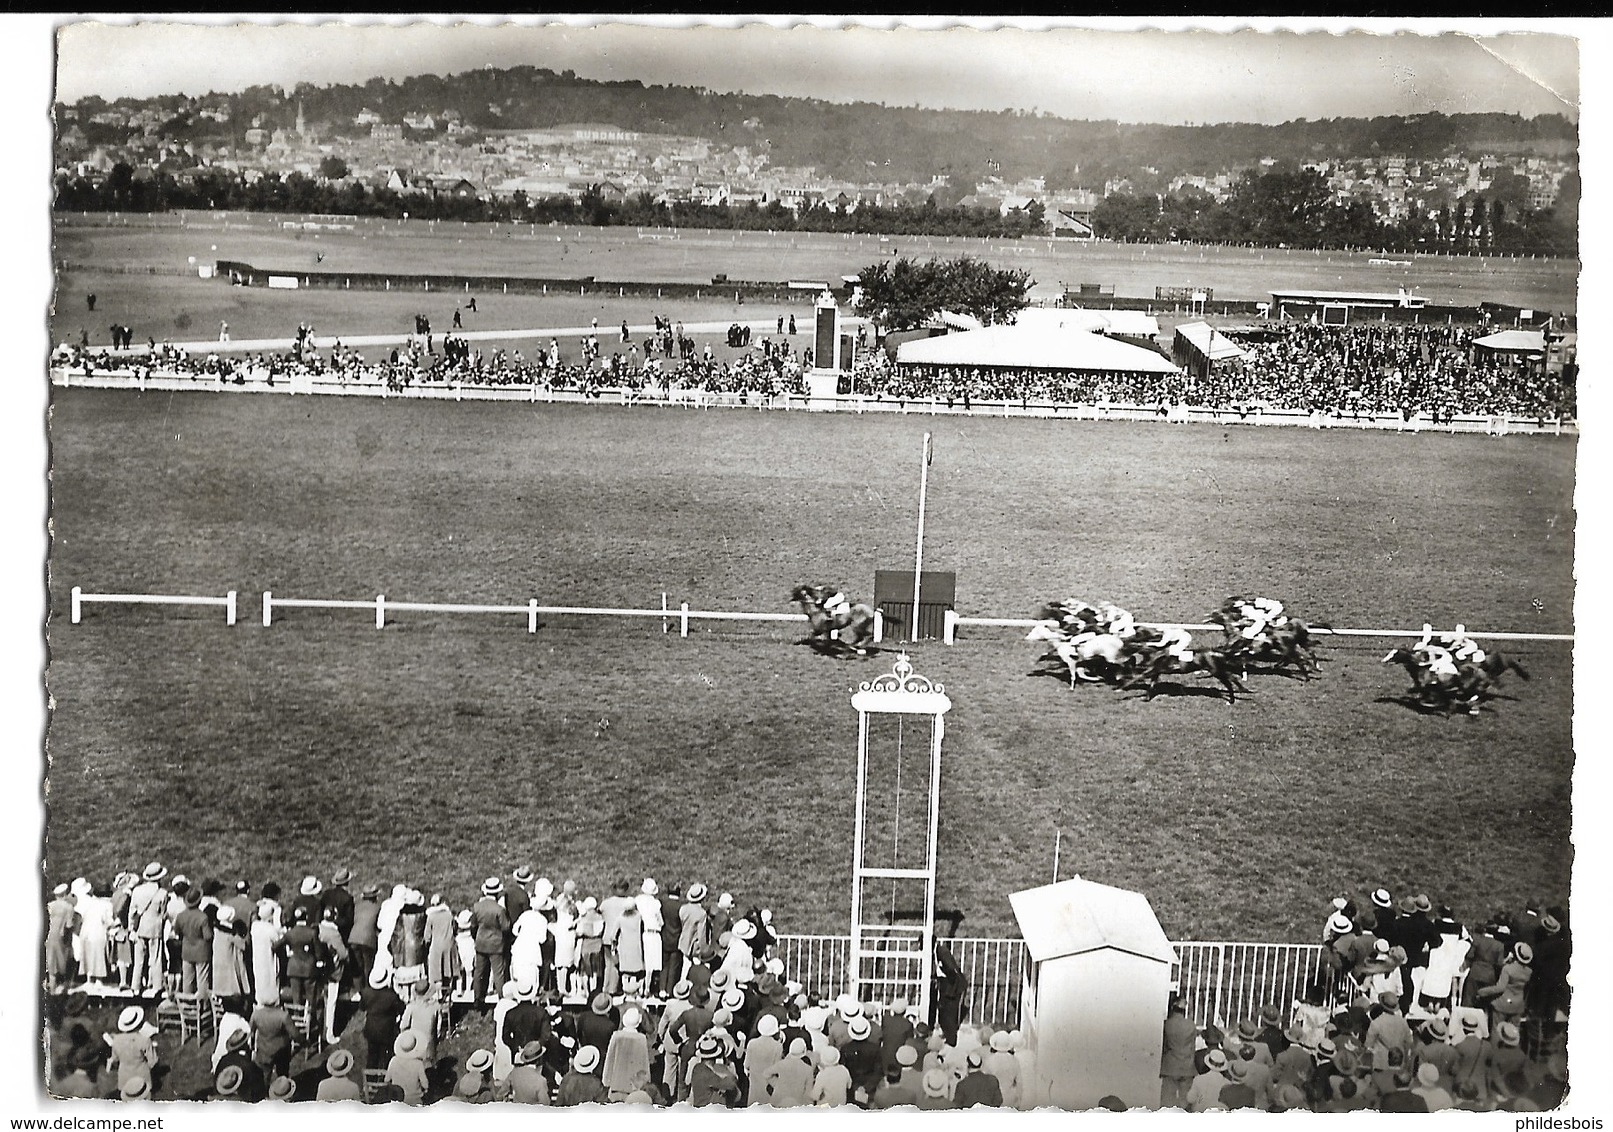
{"points": [[836, 624], [1095, 643], [1450, 670], [1258, 631]]}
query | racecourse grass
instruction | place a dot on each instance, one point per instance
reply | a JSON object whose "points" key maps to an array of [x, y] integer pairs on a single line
{"points": [[446, 748]]}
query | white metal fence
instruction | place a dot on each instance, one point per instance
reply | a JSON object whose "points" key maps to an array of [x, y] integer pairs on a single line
{"points": [[1488, 424], [1219, 982]]}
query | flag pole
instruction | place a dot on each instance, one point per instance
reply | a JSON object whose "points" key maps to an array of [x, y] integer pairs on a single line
{"points": [[1058, 835], [918, 555]]}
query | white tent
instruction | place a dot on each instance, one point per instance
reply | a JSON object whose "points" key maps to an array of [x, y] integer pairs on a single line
{"points": [[1209, 342], [1033, 347], [1513, 342], [1129, 324]]}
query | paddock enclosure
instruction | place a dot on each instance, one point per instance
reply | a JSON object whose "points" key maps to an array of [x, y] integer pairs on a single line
{"points": [[447, 747]]}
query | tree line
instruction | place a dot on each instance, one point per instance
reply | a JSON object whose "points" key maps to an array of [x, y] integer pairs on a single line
{"points": [[123, 190], [1293, 207]]}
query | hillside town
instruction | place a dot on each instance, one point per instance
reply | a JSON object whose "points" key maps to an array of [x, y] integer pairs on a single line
{"points": [[436, 151]]}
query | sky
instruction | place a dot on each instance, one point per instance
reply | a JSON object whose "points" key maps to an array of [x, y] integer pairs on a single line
{"points": [[1102, 69]]}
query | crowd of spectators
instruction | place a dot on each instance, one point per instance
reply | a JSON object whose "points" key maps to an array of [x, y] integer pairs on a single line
{"points": [[1343, 371], [664, 995]]}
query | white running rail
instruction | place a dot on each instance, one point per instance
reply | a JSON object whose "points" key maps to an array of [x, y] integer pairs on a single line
{"points": [[80, 598]]}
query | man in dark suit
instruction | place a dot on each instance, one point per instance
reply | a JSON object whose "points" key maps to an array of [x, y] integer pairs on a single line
{"points": [[382, 1010], [526, 1021], [950, 987], [339, 899], [671, 958], [490, 927]]}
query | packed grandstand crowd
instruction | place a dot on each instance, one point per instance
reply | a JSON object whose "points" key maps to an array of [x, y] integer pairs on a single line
{"points": [[1368, 369], [665, 995]]}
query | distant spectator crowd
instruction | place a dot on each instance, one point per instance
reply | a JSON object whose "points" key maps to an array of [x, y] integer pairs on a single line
{"points": [[666, 995]]}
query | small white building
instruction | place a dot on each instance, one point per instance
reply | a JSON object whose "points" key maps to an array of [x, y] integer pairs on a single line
{"points": [[1097, 986]]}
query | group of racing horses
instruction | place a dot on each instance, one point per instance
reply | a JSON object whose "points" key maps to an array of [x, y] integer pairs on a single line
{"points": [[1105, 644]]}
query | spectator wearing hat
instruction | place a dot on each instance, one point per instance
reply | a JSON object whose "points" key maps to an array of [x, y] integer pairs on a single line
{"points": [[626, 1066], [1293, 1065], [230, 975], [581, 1084], [1508, 995], [895, 1031], [935, 1090], [518, 893], [671, 966], [135, 1089], [504, 1054], [1505, 1057], [531, 932], [272, 1035], [246, 909], [364, 934], [78, 1074], [597, 1024], [421, 1013], [475, 1085], [651, 924], [525, 1022], [92, 908], [194, 929], [382, 1010], [1256, 1073], [338, 899], [694, 928], [977, 1087], [526, 1083], [1176, 1068], [407, 943], [722, 915], [465, 949], [338, 1084], [1447, 960], [309, 898], [303, 953], [490, 923], [1473, 1055], [712, 1080], [442, 953], [1271, 1031], [1247, 1035], [1434, 1048], [831, 1085], [560, 943], [1548, 992], [895, 1090], [332, 966], [1397, 1095], [590, 946], [951, 985], [611, 910], [764, 1050], [1002, 1064], [1389, 1029], [1435, 1097], [1237, 1093], [406, 1070], [625, 943], [263, 945], [133, 1052], [787, 1083], [146, 903], [1485, 957]]}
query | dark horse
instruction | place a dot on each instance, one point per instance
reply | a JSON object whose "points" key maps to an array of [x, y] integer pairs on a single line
{"points": [[850, 629], [1226, 669], [1290, 645], [1470, 686]]}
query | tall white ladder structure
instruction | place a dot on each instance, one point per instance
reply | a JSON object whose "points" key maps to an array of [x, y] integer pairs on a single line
{"points": [[893, 882]]}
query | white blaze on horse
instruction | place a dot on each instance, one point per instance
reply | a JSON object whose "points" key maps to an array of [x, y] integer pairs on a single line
{"points": [[834, 621]]}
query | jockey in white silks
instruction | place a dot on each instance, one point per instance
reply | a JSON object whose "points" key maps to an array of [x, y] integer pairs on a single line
{"points": [[1178, 643], [1261, 613], [1462, 646], [836, 604], [1116, 620]]}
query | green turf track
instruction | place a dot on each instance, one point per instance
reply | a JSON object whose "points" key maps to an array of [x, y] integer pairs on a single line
{"points": [[445, 748]]}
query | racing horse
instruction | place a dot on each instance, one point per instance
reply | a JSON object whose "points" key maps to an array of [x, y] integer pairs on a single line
{"points": [[849, 628], [1467, 688], [1093, 657], [1285, 646], [1218, 664]]}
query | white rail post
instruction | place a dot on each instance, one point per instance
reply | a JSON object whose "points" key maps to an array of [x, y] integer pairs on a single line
{"points": [[78, 603], [685, 628], [949, 634], [380, 611], [268, 609], [665, 628], [532, 616], [879, 626], [229, 608]]}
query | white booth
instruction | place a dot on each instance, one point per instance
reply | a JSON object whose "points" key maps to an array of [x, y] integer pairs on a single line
{"points": [[1096, 989]]}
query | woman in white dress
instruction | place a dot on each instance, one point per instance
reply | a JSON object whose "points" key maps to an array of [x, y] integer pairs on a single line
{"points": [[565, 940], [526, 953], [264, 942], [94, 932]]}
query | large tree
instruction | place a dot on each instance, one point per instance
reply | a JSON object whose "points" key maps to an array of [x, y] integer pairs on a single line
{"points": [[902, 294]]}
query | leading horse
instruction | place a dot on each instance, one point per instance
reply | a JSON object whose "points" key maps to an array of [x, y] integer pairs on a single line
{"points": [[850, 627]]}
